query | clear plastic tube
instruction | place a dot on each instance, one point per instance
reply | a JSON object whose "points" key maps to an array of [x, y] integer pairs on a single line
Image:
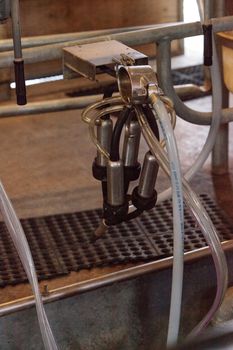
{"points": [[204, 222], [99, 104], [178, 220], [216, 119], [91, 120], [19, 239]]}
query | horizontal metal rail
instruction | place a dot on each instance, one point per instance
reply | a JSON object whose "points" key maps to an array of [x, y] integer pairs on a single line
{"points": [[142, 36], [82, 102], [41, 40], [103, 281], [137, 37], [32, 108]]}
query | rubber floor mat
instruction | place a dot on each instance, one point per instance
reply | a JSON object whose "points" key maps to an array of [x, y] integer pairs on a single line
{"points": [[63, 243], [188, 75]]}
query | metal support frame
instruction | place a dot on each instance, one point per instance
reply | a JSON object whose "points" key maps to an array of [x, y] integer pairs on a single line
{"points": [[220, 152], [162, 36]]}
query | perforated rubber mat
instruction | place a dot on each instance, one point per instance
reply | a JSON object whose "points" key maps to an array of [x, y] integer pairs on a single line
{"points": [[188, 75], [63, 243]]}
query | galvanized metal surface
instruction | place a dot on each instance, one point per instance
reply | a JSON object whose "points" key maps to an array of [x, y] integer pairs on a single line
{"points": [[220, 151], [165, 82], [129, 315], [27, 42], [33, 108], [136, 37], [144, 36], [90, 59]]}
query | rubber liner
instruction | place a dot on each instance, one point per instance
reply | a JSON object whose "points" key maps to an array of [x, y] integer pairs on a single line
{"points": [[63, 243]]}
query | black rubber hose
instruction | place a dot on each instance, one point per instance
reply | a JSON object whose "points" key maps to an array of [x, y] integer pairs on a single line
{"points": [[108, 92], [116, 135], [151, 120], [134, 214]]}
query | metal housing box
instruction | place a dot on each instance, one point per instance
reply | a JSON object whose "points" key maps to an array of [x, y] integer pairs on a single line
{"points": [[90, 59]]}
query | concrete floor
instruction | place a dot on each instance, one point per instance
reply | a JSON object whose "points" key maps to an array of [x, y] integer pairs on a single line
{"points": [[46, 169]]}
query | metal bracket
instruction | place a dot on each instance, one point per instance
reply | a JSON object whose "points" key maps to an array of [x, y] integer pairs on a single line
{"points": [[90, 59]]}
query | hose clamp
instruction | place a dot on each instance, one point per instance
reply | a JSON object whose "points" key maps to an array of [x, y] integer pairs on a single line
{"points": [[134, 83]]}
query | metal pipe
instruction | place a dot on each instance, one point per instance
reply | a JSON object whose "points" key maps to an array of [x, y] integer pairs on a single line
{"points": [[16, 30], [137, 37], [190, 91], [221, 151], [64, 104], [144, 36], [200, 5], [109, 279], [208, 9], [41, 40], [165, 82], [219, 8], [18, 59], [222, 24], [81, 102]]}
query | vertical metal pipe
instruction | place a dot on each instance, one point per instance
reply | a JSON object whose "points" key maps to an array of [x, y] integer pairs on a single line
{"points": [[220, 152], [16, 30], [219, 156], [219, 8], [18, 59], [200, 5], [208, 9]]}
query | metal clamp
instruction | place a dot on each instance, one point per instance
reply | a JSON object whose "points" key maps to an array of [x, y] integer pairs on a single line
{"points": [[134, 83]]}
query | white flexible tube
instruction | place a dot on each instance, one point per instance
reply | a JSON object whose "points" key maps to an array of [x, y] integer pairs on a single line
{"points": [[19, 239], [178, 220], [107, 101], [216, 119], [203, 220]]}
